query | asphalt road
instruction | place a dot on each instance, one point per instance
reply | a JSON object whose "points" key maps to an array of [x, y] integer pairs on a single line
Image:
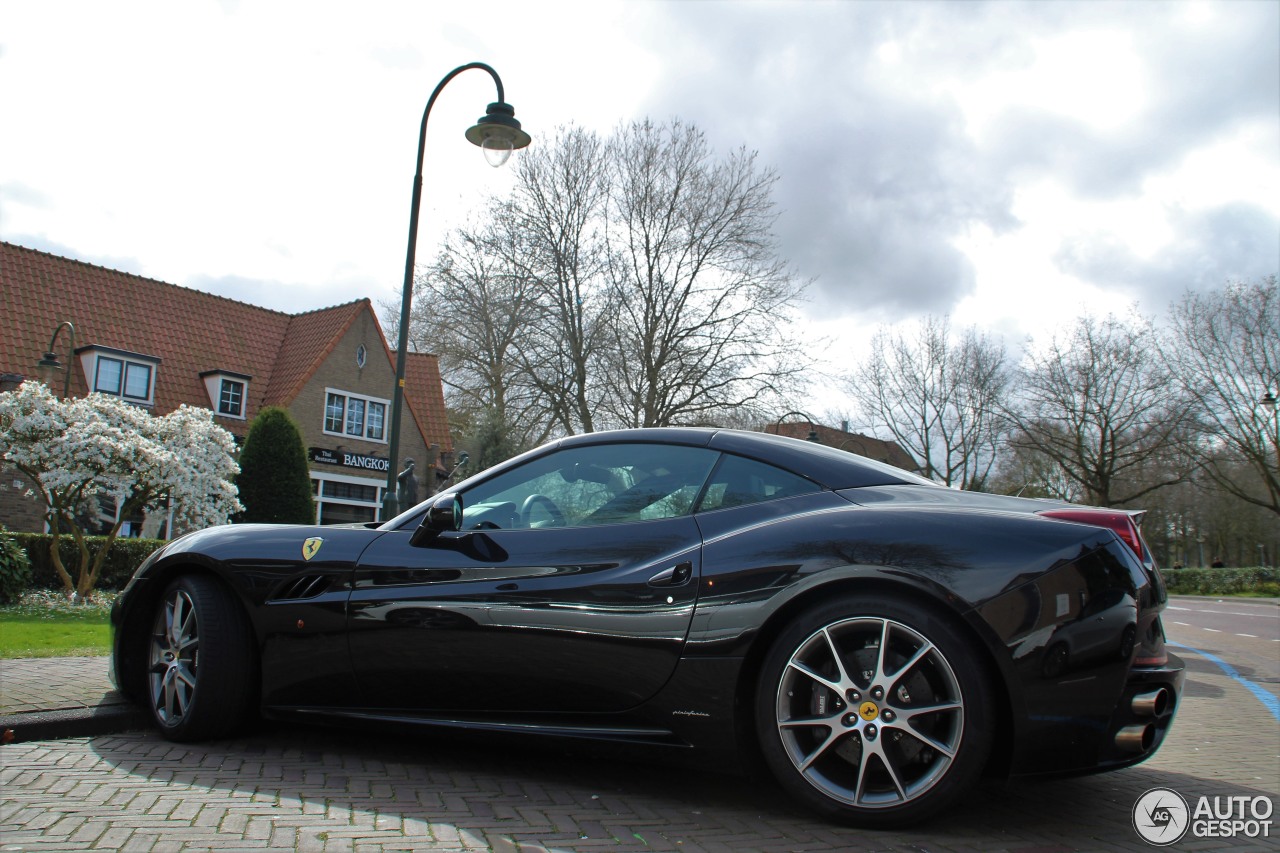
{"points": [[1242, 634]]}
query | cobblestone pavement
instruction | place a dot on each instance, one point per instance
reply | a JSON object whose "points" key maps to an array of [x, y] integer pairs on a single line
{"points": [[327, 789]]}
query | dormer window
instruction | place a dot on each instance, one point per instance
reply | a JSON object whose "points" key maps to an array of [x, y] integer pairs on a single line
{"points": [[228, 393], [129, 375]]}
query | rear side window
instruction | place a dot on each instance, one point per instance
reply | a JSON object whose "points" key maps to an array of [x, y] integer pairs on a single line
{"points": [[738, 481]]}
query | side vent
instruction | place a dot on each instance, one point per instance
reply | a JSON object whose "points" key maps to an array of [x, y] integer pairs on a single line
{"points": [[304, 587]]}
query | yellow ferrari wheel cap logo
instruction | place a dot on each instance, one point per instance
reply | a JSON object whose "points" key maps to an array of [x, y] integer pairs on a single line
{"points": [[868, 710], [311, 546]]}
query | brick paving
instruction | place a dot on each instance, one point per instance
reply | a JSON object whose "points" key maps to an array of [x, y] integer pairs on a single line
{"points": [[55, 684], [318, 789]]}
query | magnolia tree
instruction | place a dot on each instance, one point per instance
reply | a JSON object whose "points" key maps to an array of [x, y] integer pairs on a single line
{"points": [[82, 449]]}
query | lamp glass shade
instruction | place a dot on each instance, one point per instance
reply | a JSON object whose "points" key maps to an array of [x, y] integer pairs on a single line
{"points": [[48, 368], [497, 149]]}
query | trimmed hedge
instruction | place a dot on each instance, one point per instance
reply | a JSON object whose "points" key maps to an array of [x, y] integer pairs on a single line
{"points": [[1258, 581], [123, 559]]}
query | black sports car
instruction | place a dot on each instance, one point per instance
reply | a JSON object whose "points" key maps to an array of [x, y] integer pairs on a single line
{"points": [[878, 640]]}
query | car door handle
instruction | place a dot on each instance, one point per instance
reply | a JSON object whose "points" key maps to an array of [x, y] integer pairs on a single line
{"points": [[677, 575]]}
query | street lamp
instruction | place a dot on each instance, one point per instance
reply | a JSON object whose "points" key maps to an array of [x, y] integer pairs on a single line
{"points": [[813, 432], [498, 134], [48, 367]]}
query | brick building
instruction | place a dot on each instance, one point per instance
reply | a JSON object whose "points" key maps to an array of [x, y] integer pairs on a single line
{"points": [[841, 439], [160, 345]]}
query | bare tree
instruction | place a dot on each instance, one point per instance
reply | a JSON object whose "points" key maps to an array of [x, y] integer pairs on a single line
{"points": [[938, 397], [554, 241], [628, 283], [1101, 405], [1223, 350], [702, 298], [471, 311], [1026, 472]]}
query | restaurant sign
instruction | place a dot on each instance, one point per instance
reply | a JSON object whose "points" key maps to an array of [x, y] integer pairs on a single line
{"points": [[349, 460]]}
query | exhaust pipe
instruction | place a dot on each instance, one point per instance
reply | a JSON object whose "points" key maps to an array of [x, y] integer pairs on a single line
{"points": [[1153, 704], [1136, 738]]}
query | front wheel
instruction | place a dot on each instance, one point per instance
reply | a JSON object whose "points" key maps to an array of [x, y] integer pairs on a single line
{"points": [[872, 711], [200, 661]]}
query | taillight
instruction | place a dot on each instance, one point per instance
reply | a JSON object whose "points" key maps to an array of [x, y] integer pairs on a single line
{"points": [[1118, 520]]}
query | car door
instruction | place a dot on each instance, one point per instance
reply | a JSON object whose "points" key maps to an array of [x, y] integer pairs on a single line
{"points": [[570, 588]]}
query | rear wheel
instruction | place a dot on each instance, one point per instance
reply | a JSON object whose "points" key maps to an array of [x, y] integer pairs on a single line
{"points": [[872, 711], [200, 672]]}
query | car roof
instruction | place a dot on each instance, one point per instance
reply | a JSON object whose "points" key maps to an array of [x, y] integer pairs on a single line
{"points": [[827, 466]]}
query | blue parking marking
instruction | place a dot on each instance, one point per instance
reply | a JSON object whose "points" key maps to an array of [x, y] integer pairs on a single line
{"points": [[1269, 701]]}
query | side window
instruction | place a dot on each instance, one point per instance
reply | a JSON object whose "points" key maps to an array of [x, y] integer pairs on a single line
{"points": [[739, 481], [588, 486]]}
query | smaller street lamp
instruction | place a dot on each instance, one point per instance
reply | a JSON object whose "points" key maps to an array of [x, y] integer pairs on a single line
{"points": [[813, 431], [47, 368]]}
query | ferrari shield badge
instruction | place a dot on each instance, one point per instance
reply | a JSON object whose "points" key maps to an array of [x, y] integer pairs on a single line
{"points": [[311, 546]]}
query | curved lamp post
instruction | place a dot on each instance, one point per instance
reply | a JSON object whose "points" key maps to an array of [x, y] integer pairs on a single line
{"points": [[48, 367], [498, 134], [813, 432]]}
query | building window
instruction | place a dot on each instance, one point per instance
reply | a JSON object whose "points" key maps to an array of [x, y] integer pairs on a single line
{"points": [[228, 393], [115, 373], [108, 377], [231, 399], [345, 500], [355, 416]]}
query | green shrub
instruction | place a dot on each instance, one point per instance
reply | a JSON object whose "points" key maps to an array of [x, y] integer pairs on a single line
{"points": [[122, 560], [15, 569], [275, 477], [1247, 581]]}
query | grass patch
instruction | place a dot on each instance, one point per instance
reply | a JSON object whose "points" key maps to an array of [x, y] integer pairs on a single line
{"points": [[44, 625]]}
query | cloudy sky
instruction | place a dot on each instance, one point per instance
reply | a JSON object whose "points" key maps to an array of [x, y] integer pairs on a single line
{"points": [[1009, 164]]}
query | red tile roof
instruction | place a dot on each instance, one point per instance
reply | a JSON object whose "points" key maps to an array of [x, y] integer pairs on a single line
{"points": [[863, 445], [192, 332]]}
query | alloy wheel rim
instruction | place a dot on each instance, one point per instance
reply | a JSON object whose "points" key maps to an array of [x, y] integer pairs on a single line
{"points": [[870, 712], [175, 648]]}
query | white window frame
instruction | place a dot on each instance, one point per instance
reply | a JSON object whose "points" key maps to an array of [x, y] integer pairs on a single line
{"points": [[319, 497], [237, 389], [346, 409]]}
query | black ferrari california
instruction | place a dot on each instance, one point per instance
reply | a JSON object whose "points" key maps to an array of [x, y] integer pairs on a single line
{"points": [[876, 640]]}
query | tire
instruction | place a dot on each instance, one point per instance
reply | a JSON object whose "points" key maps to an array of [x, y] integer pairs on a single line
{"points": [[867, 739], [201, 675]]}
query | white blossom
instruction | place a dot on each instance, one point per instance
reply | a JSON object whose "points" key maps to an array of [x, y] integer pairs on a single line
{"points": [[101, 446]]}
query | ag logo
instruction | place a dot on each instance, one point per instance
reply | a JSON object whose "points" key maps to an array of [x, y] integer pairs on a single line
{"points": [[311, 546], [868, 710], [1161, 816]]}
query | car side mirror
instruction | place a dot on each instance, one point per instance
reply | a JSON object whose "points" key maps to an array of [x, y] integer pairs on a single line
{"points": [[443, 516]]}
